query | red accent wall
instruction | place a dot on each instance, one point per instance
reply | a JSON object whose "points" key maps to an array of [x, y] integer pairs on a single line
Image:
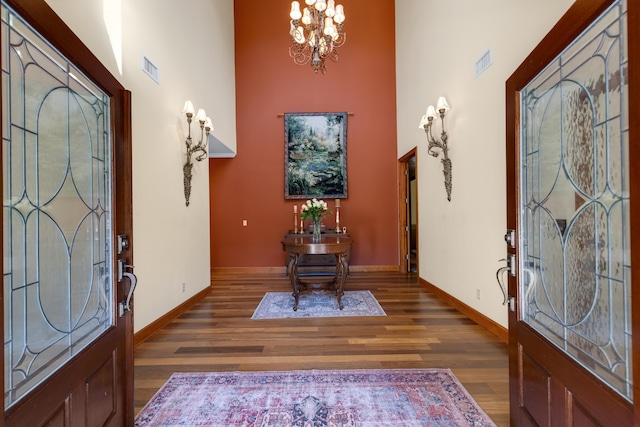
{"points": [[268, 83]]}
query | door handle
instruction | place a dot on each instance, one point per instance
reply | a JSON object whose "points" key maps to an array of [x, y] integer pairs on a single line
{"points": [[510, 238], [503, 288], [508, 299], [133, 281]]}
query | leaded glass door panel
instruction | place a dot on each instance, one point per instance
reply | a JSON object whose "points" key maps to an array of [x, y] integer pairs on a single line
{"points": [[65, 340], [571, 324]]}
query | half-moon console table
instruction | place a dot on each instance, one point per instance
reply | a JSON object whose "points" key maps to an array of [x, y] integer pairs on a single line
{"points": [[339, 246]]}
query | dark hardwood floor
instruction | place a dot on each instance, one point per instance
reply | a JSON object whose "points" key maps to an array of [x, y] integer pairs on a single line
{"points": [[419, 331]]}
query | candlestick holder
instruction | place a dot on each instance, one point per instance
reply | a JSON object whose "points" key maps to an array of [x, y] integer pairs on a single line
{"points": [[337, 215], [295, 223]]}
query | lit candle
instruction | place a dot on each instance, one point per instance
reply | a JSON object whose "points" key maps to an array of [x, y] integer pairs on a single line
{"points": [[201, 116], [188, 108], [431, 112], [442, 104]]}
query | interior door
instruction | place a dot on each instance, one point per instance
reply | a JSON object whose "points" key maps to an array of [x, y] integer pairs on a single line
{"points": [[569, 145], [68, 354], [408, 212]]}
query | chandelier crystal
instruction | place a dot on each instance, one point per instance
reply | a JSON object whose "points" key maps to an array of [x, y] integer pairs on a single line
{"points": [[316, 33]]}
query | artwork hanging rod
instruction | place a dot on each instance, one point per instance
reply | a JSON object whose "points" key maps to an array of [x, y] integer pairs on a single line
{"points": [[282, 114]]}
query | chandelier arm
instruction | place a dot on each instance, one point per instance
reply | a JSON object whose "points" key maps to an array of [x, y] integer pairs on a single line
{"points": [[333, 55], [300, 57], [339, 41]]}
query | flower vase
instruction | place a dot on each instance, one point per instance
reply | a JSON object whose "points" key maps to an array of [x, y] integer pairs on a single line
{"points": [[316, 220]]}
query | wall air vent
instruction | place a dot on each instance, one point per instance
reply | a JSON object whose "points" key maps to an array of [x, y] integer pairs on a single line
{"points": [[151, 69], [483, 63]]}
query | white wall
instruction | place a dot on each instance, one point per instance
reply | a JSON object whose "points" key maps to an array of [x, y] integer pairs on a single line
{"points": [[438, 44], [192, 44]]}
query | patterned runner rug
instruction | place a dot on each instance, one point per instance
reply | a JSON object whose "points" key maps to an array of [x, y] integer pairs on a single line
{"points": [[366, 398], [279, 305]]}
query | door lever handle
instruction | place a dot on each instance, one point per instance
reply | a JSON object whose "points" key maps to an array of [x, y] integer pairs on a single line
{"points": [[503, 288], [122, 267], [122, 273], [132, 287]]}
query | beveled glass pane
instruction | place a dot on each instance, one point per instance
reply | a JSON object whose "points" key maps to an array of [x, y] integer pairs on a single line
{"points": [[57, 210], [574, 249]]}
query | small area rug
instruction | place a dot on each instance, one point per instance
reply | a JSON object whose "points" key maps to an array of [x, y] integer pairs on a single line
{"points": [[366, 398], [279, 305]]}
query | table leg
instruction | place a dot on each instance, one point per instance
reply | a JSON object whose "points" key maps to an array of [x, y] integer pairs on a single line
{"points": [[341, 273], [292, 270]]}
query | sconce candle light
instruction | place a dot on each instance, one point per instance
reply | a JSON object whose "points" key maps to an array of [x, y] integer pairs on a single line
{"points": [[205, 128], [427, 124]]}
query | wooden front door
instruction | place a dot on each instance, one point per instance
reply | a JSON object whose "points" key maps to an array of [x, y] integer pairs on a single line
{"points": [[571, 193], [66, 175]]}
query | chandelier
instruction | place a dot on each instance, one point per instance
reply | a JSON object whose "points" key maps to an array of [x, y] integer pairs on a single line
{"points": [[316, 33]]}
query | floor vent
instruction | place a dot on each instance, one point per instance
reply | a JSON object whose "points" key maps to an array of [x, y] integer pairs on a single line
{"points": [[151, 69], [483, 63]]}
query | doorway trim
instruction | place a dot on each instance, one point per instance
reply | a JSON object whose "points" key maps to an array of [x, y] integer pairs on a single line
{"points": [[403, 210]]}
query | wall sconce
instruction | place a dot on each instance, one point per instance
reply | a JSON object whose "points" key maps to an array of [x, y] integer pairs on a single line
{"points": [[205, 127], [427, 123]]}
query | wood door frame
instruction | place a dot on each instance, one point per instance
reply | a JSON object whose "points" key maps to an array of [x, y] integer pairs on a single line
{"points": [[403, 192], [46, 22], [578, 17]]}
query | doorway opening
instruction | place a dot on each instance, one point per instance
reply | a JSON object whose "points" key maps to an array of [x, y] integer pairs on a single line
{"points": [[409, 212]]}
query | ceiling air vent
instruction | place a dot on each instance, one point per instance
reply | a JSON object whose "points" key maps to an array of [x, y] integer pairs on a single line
{"points": [[483, 63], [151, 69]]}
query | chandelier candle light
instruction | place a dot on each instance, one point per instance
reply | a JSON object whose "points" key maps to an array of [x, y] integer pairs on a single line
{"points": [[427, 123], [316, 32], [205, 127]]}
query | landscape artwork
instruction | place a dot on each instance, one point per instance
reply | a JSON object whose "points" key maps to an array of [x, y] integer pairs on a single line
{"points": [[315, 155]]}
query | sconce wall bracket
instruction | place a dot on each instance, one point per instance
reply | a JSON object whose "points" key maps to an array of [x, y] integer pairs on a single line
{"points": [[205, 128], [427, 124]]}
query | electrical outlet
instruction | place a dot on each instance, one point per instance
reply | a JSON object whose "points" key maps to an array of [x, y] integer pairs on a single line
{"points": [[478, 294], [184, 287]]}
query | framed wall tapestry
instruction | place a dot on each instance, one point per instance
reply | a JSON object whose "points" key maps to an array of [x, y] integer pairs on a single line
{"points": [[315, 155]]}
